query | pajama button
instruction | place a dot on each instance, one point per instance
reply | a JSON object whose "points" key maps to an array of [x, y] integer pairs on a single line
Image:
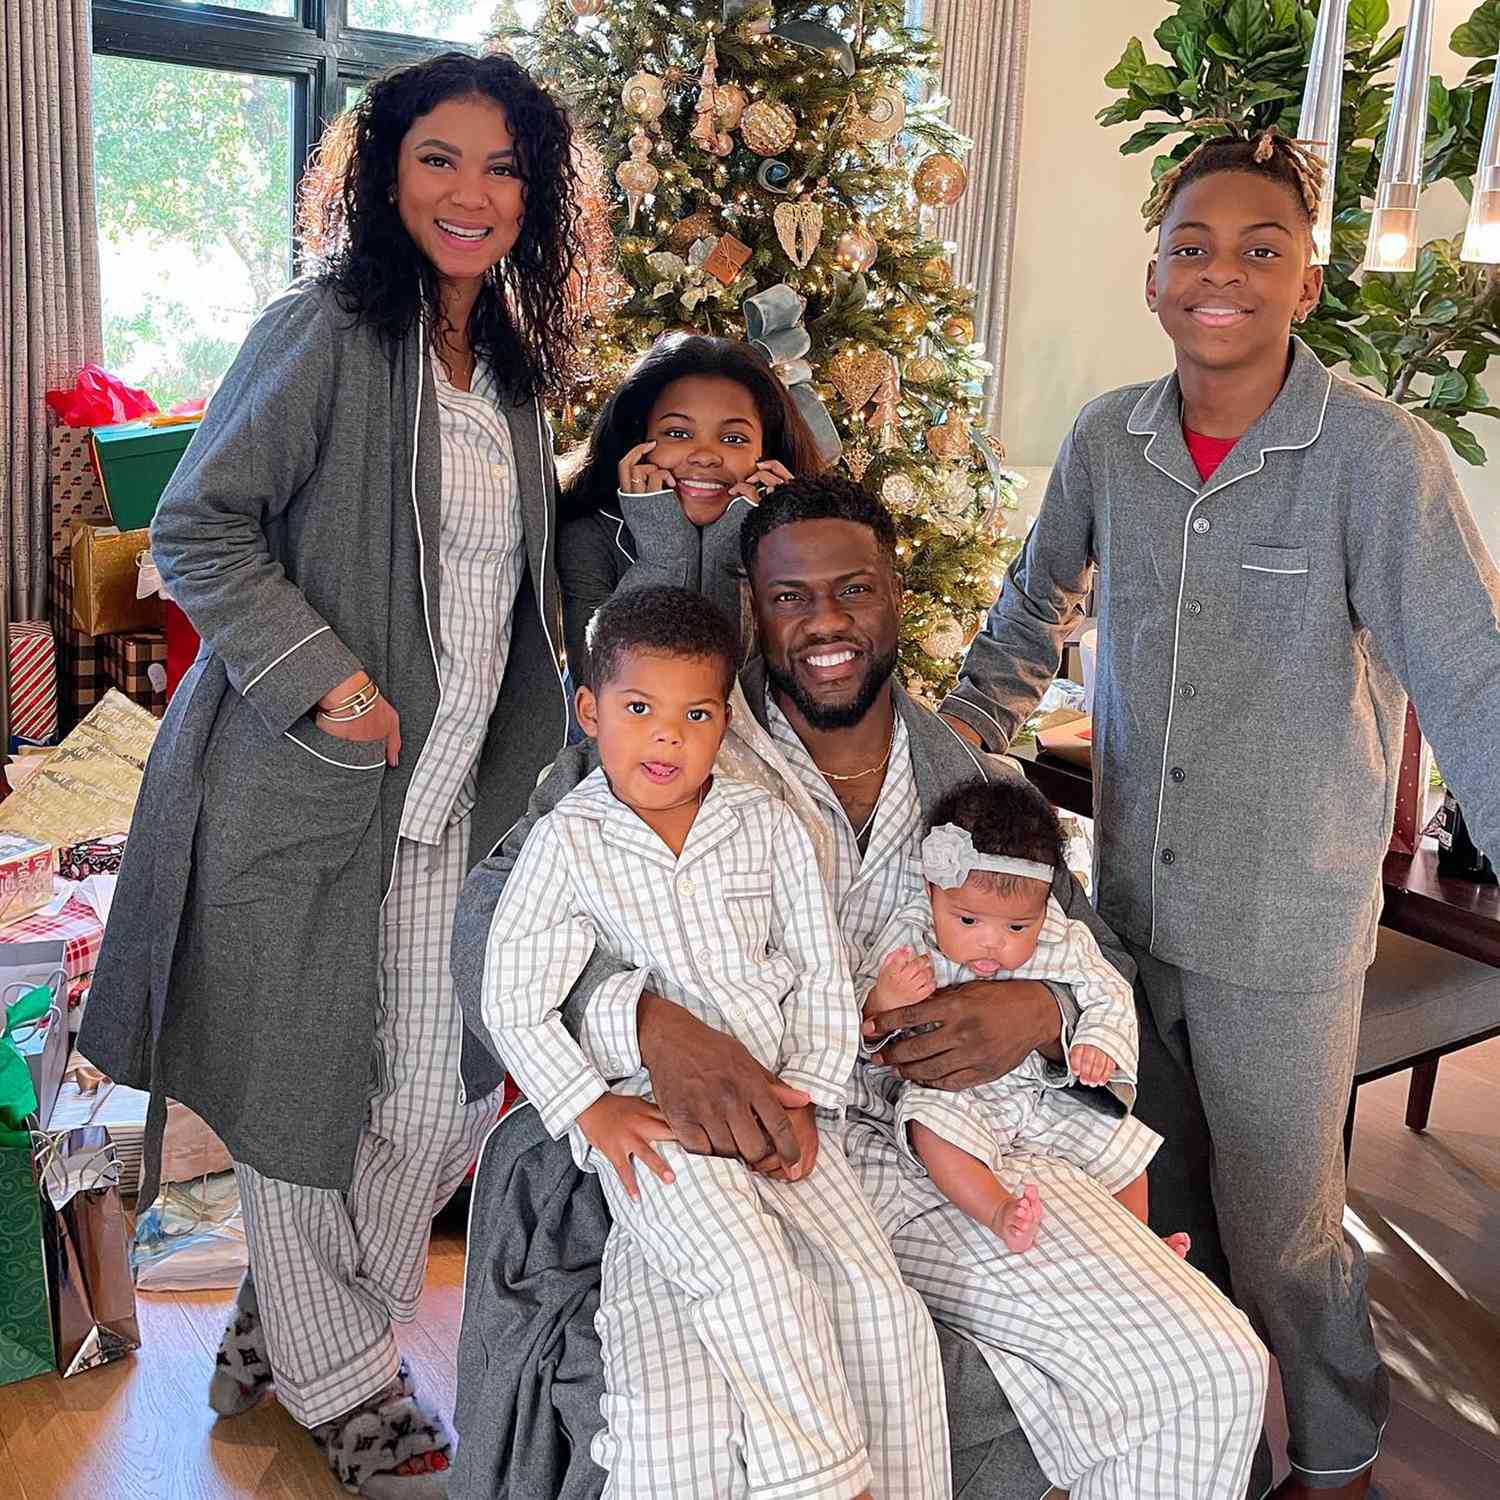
{"points": [[1178, 774], [1202, 525], [1187, 690], [684, 887], [1195, 607], [1167, 857]]}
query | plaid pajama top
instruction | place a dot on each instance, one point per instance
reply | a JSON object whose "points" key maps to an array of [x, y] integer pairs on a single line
{"points": [[1066, 953], [481, 560], [737, 929]]}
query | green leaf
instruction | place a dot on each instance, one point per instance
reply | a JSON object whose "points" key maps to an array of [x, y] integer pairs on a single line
{"points": [[1154, 81], [1221, 46], [1439, 110], [1284, 15], [1367, 19], [1473, 362], [1374, 106], [1148, 135], [1247, 23], [1425, 274], [1127, 70], [1451, 388], [1123, 110], [1264, 93], [1444, 310], [1465, 444], [1388, 49], [1364, 357], [1379, 295], [1479, 36]]}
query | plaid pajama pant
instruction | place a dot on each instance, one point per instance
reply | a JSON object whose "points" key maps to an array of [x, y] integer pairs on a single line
{"points": [[758, 1340], [1168, 1407], [335, 1271]]}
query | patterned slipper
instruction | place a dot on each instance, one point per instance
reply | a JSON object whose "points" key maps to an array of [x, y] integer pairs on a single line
{"points": [[365, 1447], [242, 1367]]}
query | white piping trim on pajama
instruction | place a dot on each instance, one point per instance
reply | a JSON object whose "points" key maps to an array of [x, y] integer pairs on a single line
{"points": [[300, 644], [619, 532], [967, 703], [539, 585], [328, 760], [1357, 1469], [1256, 568]]}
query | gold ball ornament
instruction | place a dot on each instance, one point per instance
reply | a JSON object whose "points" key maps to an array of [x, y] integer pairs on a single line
{"points": [[883, 120], [768, 127], [857, 374], [685, 233], [948, 440], [899, 491], [940, 181], [925, 369], [959, 329], [946, 638], [906, 319], [644, 96], [587, 7], [935, 273], [856, 249], [730, 104]]}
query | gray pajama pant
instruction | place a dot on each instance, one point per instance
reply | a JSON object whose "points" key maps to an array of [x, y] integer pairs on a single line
{"points": [[1131, 1376], [1250, 1089], [757, 1338], [335, 1271]]}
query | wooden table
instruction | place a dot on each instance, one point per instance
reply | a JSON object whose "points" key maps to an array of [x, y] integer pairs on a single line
{"points": [[1455, 914]]}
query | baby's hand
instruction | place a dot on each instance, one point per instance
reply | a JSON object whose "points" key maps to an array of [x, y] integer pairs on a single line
{"points": [[623, 1127], [1091, 1066], [1017, 1221], [905, 978]]}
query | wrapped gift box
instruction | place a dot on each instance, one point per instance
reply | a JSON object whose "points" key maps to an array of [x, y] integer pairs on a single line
{"points": [[91, 857], [25, 876], [33, 682], [128, 658], [81, 682], [105, 571], [135, 461], [76, 494]]}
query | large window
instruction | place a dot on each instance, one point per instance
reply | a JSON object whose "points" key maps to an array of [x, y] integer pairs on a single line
{"points": [[204, 117]]}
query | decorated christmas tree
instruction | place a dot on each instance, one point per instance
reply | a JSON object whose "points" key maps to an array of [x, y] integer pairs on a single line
{"points": [[757, 173]]}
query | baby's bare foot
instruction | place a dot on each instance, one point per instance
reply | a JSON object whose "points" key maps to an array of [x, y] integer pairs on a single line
{"points": [[1179, 1244], [1016, 1222]]}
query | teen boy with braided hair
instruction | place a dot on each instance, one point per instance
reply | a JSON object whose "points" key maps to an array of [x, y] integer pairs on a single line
{"points": [[1283, 556]]}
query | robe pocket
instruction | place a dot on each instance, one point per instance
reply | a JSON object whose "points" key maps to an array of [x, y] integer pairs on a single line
{"points": [[1273, 594], [348, 755], [747, 899]]}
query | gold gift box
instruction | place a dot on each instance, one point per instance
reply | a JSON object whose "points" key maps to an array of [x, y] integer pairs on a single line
{"points": [[105, 568]]}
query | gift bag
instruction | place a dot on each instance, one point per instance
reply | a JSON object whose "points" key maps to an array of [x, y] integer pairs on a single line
{"points": [[25, 1320], [42, 1038], [105, 569], [88, 1258]]}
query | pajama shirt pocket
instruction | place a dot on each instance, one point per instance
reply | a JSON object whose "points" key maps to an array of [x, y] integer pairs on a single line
{"points": [[1273, 595]]}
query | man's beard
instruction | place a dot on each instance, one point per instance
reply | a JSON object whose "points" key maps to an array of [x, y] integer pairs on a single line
{"points": [[835, 715]]}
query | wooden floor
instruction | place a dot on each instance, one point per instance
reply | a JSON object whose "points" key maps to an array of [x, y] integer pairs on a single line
{"points": [[1426, 1208]]}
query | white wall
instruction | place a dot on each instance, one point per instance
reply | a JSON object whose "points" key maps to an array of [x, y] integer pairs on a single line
{"points": [[1078, 319]]}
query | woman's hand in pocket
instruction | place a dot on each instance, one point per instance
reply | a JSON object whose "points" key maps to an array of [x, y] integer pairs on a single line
{"points": [[381, 723]]}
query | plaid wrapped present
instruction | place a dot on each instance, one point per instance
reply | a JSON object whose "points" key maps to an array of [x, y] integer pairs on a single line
{"points": [[128, 658], [76, 926], [81, 682], [33, 683], [77, 496]]}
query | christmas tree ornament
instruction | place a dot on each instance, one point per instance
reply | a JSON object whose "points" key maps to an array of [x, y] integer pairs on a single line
{"points": [[883, 119], [948, 439], [727, 259], [799, 227], [953, 507], [705, 131], [958, 329], [925, 369], [816, 37], [768, 127], [856, 372], [637, 177], [700, 224], [906, 319], [940, 181], [887, 403], [946, 638], [856, 249], [587, 7], [858, 458], [935, 273], [663, 151], [644, 96], [899, 491], [730, 104], [775, 176]]}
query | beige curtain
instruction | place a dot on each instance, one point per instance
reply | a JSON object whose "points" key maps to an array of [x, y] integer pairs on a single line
{"points": [[49, 270], [984, 75]]}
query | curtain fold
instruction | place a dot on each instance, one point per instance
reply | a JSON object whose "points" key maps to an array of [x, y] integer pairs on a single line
{"points": [[49, 272], [984, 75]]}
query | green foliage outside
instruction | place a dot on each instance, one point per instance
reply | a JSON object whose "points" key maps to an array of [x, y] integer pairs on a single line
{"points": [[1423, 338]]}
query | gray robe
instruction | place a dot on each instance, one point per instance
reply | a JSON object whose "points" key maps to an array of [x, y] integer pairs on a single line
{"points": [[529, 1371], [300, 534]]}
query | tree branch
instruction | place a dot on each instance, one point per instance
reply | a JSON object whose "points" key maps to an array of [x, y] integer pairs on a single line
{"points": [[1437, 342]]}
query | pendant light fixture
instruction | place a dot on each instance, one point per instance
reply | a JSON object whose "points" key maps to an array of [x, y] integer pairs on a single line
{"points": [[1482, 238], [1318, 128], [1392, 244]]}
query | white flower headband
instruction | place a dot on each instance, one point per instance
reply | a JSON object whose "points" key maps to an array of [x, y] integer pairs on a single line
{"points": [[949, 858]]}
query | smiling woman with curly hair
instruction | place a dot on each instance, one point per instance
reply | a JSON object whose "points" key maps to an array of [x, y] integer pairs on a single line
{"points": [[363, 531]]}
